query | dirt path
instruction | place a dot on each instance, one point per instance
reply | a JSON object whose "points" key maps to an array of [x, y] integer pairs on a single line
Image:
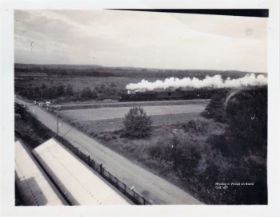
{"points": [[155, 188]]}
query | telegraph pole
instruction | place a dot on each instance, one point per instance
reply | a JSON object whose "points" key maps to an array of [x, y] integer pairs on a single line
{"points": [[57, 122]]}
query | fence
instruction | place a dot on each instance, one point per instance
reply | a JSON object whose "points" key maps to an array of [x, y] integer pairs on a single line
{"points": [[134, 196]]}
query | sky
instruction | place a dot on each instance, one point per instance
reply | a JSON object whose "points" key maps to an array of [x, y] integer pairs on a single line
{"points": [[141, 39]]}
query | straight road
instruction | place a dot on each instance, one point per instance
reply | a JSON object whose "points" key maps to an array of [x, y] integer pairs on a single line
{"points": [[153, 187]]}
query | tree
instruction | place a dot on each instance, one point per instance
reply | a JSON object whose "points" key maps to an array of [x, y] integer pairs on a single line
{"points": [[60, 90], [112, 89], [37, 93], [136, 123], [246, 116], [86, 93], [43, 86], [69, 90]]}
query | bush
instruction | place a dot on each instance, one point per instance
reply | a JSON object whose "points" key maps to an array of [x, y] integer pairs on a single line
{"points": [[136, 123], [60, 90], [86, 93], [246, 115], [69, 90], [215, 108]]}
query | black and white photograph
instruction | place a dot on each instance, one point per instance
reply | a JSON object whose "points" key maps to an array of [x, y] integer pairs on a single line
{"points": [[139, 109]]}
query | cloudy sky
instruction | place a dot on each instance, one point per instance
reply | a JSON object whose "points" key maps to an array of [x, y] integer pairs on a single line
{"points": [[140, 39]]}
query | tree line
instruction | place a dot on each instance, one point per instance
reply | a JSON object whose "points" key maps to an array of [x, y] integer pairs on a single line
{"points": [[62, 91]]}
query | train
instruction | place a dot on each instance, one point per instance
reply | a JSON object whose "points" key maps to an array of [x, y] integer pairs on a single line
{"points": [[177, 94], [32, 184], [78, 182]]}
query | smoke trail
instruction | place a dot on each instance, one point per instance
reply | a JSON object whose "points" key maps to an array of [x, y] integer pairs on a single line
{"points": [[215, 81]]}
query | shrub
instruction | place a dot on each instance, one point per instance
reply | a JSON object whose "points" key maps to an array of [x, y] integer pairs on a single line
{"points": [[185, 154], [86, 93], [60, 90], [246, 115], [69, 90], [136, 123], [215, 108]]}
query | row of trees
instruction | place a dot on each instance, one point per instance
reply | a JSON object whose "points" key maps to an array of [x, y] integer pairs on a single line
{"points": [[60, 91]]}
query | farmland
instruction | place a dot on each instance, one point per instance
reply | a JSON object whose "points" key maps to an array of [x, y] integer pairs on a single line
{"points": [[96, 120], [119, 112]]}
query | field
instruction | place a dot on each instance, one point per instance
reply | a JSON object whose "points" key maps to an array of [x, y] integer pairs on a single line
{"points": [[103, 119], [119, 112]]}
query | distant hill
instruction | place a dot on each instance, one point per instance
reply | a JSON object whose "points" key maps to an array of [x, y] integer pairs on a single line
{"points": [[101, 71]]}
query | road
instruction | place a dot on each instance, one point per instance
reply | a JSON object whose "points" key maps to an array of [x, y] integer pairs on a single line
{"points": [[154, 188]]}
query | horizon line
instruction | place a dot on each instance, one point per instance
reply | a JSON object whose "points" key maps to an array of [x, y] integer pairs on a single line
{"points": [[139, 67]]}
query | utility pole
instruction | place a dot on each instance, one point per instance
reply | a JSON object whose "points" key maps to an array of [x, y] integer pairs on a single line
{"points": [[57, 122]]}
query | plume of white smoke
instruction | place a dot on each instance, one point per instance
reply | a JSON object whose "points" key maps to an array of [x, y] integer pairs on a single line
{"points": [[215, 81]]}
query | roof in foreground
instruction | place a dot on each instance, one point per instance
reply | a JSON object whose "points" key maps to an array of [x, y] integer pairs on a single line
{"points": [[81, 185], [34, 186]]}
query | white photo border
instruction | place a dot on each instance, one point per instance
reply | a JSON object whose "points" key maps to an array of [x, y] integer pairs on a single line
{"points": [[7, 112]]}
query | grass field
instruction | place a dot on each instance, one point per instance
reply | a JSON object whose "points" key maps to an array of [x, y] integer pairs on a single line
{"points": [[104, 119], [105, 113], [115, 103], [110, 125]]}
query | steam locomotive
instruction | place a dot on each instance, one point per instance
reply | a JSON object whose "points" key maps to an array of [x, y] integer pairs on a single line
{"points": [[178, 94]]}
